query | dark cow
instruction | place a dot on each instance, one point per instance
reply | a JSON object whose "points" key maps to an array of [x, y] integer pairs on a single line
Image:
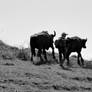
{"points": [[42, 41], [69, 45]]}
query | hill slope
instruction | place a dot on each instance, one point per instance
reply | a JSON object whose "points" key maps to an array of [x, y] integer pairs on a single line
{"points": [[16, 75], [20, 76]]}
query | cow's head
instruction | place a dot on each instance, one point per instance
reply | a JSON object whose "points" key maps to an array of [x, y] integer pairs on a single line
{"points": [[84, 43]]}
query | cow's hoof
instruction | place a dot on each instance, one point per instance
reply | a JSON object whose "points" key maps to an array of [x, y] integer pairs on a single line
{"points": [[68, 64], [56, 61], [83, 66], [31, 59], [54, 57], [62, 66]]}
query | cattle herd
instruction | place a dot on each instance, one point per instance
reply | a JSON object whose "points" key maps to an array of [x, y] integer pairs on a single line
{"points": [[43, 41]]}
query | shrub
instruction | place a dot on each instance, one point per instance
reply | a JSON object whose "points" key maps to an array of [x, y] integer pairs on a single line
{"points": [[23, 55]]}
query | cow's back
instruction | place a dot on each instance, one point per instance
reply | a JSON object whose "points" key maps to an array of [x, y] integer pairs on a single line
{"points": [[41, 40], [74, 44], [59, 43]]}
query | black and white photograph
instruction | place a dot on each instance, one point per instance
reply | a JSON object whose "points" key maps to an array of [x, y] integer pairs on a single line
{"points": [[45, 46]]}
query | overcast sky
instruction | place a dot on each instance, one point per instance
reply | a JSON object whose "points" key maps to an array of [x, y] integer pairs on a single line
{"points": [[19, 19]]}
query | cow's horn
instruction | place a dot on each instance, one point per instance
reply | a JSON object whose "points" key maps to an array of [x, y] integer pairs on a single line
{"points": [[54, 33]]}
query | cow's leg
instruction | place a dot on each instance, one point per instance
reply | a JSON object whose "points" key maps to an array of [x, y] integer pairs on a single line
{"points": [[67, 57], [60, 58], [53, 53], [31, 56], [45, 56], [39, 54], [32, 53], [68, 62], [78, 60], [82, 60]]}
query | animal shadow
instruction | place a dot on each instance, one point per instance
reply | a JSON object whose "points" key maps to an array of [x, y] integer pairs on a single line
{"points": [[9, 64], [49, 62]]}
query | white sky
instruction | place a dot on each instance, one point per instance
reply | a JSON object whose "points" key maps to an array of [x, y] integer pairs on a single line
{"points": [[19, 19]]}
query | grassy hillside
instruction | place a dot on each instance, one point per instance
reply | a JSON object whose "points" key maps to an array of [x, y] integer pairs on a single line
{"points": [[7, 52], [11, 52], [16, 75]]}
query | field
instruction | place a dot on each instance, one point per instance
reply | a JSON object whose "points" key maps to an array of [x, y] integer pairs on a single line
{"points": [[18, 74]]}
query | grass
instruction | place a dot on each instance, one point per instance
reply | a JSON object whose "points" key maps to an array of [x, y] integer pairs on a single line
{"points": [[19, 76], [23, 55]]}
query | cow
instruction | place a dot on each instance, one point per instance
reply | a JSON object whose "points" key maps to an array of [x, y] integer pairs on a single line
{"points": [[42, 41], [69, 45]]}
